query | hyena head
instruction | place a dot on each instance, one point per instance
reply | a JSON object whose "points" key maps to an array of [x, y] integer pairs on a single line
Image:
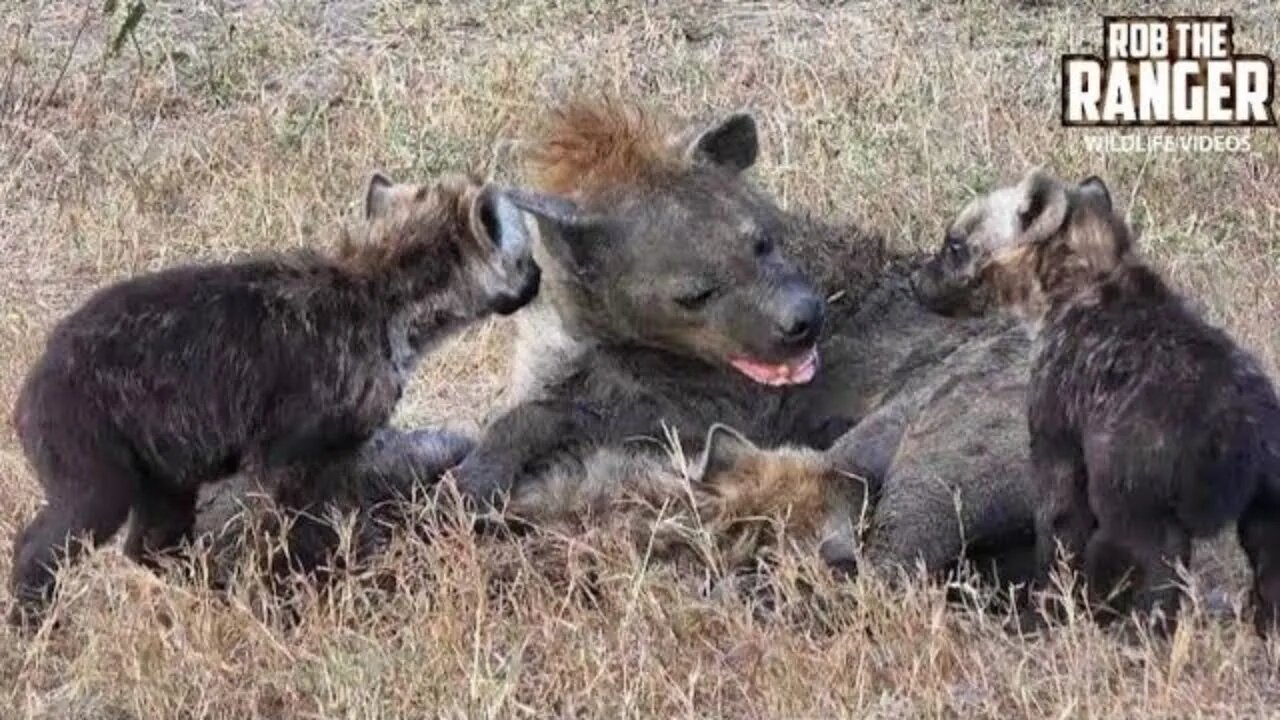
{"points": [[458, 228], [746, 495], [665, 244], [1068, 239], [954, 280]]}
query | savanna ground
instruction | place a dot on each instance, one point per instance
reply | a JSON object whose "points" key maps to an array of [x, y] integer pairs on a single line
{"points": [[217, 128]]}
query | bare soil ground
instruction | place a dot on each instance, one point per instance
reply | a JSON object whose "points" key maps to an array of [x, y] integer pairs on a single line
{"points": [[223, 127]]}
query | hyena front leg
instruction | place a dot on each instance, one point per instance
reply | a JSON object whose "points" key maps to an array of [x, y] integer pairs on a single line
{"points": [[1064, 520], [394, 465], [517, 443]]}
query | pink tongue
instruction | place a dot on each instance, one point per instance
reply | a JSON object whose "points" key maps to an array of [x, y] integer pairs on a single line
{"points": [[796, 372]]}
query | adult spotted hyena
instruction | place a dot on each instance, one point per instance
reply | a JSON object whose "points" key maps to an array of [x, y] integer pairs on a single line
{"points": [[668, 269], [277, 367], [668, 298], [1149, 427]]}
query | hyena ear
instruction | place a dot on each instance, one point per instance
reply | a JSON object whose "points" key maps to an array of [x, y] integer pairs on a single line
{"points": [[495, 218], [571, 236], [1096, 190], [377, 199], [732, 143], [1043, 206], [722, 451]]}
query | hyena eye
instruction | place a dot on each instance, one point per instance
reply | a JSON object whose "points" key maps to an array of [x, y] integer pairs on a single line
{"points": [[763, 246], [693, 301], [489, 223]]}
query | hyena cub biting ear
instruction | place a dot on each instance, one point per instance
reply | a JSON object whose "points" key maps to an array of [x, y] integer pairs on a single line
{"points": [[277, 367], [1149, 427]]}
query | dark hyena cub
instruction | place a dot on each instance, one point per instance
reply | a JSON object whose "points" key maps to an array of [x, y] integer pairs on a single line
{"points": [[278, 367], [1149, 427]]}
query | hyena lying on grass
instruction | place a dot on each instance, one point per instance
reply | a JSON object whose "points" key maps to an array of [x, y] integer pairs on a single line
{"points": [[276, 367], [668, 298], [618, 345], [734, 502], [1149, 427]]}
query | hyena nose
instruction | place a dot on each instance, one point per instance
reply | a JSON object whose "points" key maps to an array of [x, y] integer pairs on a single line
{"points": [[801, 320]]}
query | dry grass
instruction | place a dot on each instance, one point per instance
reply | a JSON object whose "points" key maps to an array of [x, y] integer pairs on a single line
{"points": [[233, 125]]}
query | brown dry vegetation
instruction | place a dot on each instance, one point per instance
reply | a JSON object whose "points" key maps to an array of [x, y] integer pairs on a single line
{"points": [[227, 126]]}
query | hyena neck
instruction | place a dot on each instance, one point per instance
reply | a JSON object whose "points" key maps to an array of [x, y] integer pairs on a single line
{"points": [[545, 352], [413, 330], [406, 260], [417, 286], [1130, 284]]}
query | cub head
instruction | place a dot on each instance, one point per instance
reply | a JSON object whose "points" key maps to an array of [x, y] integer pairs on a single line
{"points": [[664, 243], [457, 230], [747, 494], [990, 253]]}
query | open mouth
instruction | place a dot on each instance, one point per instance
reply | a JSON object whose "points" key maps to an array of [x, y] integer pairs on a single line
{"points": [[793, 372]]}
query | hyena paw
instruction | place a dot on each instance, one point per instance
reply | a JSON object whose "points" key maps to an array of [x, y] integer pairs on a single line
{"points": [[442, 448], [481, 484]]}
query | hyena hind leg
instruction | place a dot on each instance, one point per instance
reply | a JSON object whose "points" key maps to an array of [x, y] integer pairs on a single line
{"points": [[1259, 532], [162, 519], [90, 510]]}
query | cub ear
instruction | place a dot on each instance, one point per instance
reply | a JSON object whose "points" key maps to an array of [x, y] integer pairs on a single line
{"points": [[571, 236], [732, 143], [495, 218], [1043, 206], [377, 199], [1103, 239], [722, 451], [1094, 188]]}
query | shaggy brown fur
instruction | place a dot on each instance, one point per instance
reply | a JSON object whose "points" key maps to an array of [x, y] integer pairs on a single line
{"points": [[751, 497], [594, 147]]}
